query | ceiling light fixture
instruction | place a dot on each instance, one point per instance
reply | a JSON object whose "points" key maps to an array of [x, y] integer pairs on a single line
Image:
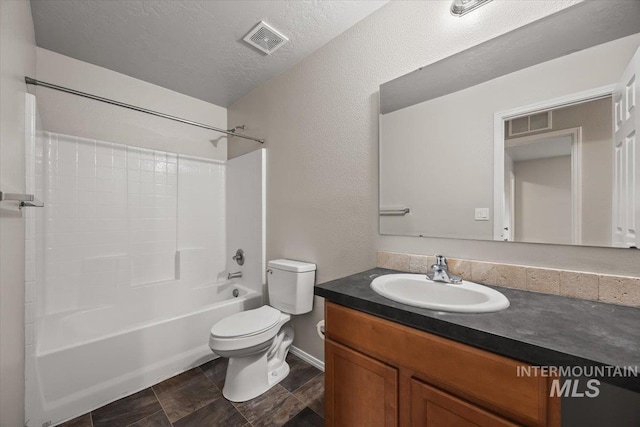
{"points": [[462, 7]]}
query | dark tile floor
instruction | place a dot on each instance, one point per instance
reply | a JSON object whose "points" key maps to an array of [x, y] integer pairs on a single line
{"points": [[194, 399]]}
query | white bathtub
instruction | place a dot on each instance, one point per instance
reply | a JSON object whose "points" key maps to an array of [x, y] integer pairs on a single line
{"points": [[89, 358]]}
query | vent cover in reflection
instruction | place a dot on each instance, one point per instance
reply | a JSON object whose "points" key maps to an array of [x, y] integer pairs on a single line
{"points": [[528, 124], [265, 38]]}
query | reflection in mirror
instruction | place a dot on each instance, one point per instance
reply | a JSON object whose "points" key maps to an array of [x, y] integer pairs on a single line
{"points": [[543, 154], [558, 175]]}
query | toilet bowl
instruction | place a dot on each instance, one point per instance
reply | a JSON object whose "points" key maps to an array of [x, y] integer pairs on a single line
{"points": [[257, 341]]}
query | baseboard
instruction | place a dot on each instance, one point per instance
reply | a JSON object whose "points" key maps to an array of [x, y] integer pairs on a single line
{"points": [[313, 361]]}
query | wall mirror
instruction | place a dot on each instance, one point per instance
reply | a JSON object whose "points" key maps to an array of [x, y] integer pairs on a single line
{"points": [[529, 137]]}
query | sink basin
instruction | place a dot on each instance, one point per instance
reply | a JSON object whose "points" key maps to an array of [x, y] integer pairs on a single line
{"points": [[418, 291]]}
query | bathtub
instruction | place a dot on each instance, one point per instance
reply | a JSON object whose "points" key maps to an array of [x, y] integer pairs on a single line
{"points": [[88, 358]]}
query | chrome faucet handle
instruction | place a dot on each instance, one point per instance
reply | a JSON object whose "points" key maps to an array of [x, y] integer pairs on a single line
{"points": [[441, 261], [239, 257], [440, 272], [437, 268]]}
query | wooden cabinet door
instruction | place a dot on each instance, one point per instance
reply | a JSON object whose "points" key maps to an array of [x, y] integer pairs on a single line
{"points": [[359, 390], [431, 407]]}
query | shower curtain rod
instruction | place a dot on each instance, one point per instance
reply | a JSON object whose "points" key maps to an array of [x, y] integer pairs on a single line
{"points": [[34, 82]]}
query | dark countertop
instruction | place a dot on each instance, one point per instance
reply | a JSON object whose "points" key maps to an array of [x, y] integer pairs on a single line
{"points": [[538, 329]]}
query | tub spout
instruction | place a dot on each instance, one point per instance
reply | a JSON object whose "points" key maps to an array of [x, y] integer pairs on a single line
{"points": [[234, 275]]}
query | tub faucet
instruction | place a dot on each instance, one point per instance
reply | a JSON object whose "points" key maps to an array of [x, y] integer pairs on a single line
{"points": [[234, 275], [440, 272]]}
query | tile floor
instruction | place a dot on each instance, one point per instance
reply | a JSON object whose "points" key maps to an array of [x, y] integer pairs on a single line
{"points": [[194, 399]]}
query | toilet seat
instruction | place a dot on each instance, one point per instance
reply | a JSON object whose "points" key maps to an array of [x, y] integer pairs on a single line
{"points": [[248, 331], [246, 323]]}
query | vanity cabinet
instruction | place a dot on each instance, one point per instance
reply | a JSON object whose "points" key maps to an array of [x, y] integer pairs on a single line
{"points": [[433, 407], [364, 390], [380, 373]]}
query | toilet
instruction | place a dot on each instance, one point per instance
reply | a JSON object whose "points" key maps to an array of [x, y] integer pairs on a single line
{"points": [[257, 341]]}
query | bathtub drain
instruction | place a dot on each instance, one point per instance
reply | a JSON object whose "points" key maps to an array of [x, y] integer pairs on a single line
{"points": [[235, 293]]}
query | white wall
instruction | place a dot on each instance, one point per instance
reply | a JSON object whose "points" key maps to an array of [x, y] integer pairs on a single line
{"points": [[77, 116], [320, 121], [246, 216], [543, 200], [17, 59], [450, 140]]}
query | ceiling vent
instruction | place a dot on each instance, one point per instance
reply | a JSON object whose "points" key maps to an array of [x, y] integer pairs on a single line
{"points": [[265, 38]]}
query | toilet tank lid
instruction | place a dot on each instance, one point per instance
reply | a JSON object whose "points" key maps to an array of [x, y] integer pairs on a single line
{"points": [[291, 265]]}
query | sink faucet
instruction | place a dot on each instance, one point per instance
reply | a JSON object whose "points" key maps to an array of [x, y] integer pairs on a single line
{"points": [[440, 272], [234, 275]]}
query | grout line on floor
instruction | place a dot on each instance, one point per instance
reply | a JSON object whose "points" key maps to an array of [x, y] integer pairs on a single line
{"points": [[161, 406], [241, 414], [222, 396], [142, 419], [302, 385], [303, 408], [91, 417], [196, 409], [296, 397], [239, 411], [287, 391], [207, 376]]}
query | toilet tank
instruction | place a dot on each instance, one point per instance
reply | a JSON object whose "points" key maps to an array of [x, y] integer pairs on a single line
{"points": [[290, 284]]}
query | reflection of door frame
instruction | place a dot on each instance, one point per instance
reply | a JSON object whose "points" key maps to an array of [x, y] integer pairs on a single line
{"points": [[576, 176], [512, 207], [498, 141]]}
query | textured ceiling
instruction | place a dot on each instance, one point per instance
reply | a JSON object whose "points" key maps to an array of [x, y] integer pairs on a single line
{"points": [[192, 47]]}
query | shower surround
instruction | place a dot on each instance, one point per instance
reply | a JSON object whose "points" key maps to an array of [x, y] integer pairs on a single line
{"points": [[127, 265]]}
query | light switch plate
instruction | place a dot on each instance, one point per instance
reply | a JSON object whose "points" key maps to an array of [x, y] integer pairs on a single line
{"points": [[482, 214]]}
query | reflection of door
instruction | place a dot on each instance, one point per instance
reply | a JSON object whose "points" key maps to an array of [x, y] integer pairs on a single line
{"points": [[511, 224], [543, 188], [509, 197], [626, 181]]}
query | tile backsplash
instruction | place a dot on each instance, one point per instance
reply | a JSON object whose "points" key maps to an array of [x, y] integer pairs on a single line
{"points": [[622, 290]]}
